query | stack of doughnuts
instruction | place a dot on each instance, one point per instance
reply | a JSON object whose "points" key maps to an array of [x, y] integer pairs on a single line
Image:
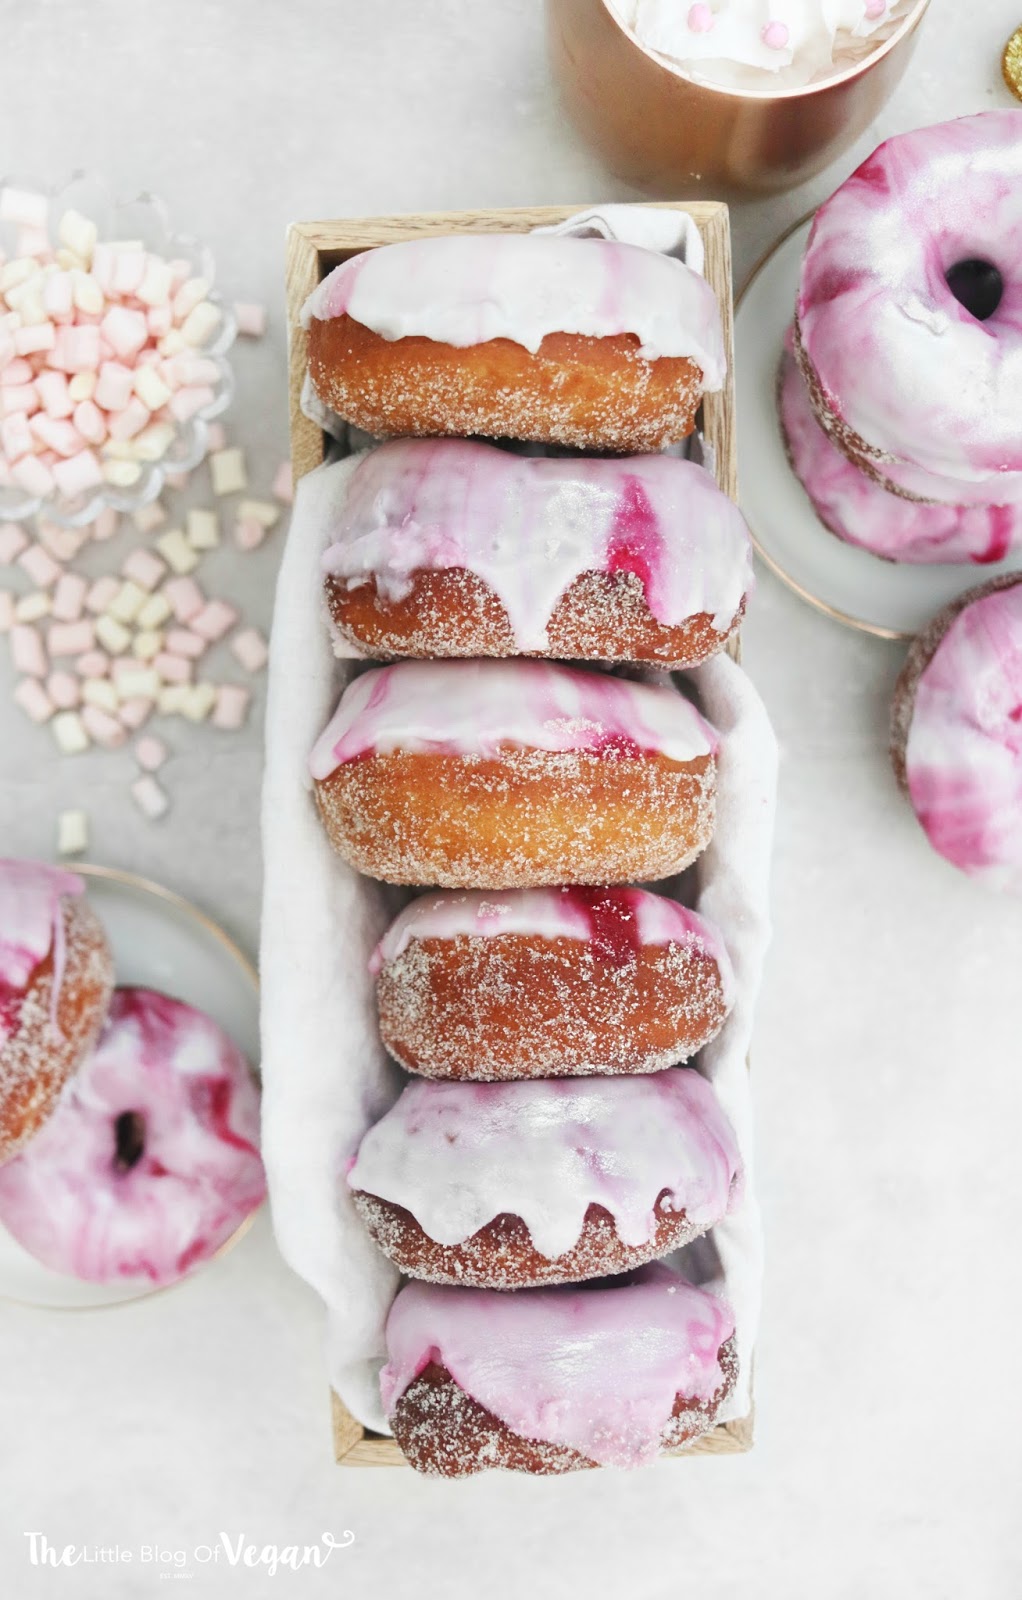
{"points": [[552, 1145], [901, 390], [129, 1122]]}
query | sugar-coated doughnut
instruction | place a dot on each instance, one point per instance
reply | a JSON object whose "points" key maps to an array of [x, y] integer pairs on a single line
{"points": [[502, 774], [513, 1185], [957, 732], [564, 340], [448, 547], [554, 1380], [554, 982], [858, 509], [56, 977], [907, 330], [150, 1159]]}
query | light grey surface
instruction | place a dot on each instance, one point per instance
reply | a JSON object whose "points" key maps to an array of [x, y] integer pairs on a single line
{"points": [[887, 1077]]}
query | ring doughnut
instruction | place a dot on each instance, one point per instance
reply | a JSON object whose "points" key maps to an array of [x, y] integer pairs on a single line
{"points": [[556, 982], [555, 1380], [494, 774], [957, 734], [445, 547], [559, 339], [150, 1160], [908, 331], [56, 977], [514, 1185]]}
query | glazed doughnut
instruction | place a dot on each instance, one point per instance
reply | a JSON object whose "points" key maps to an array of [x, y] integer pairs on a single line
{"points": [[917, 388], [957, 732], [535, 983], [56, 977], [446, 547], [150, 1160], [495, 774], [862, 512], [513, 1185], [559, 339], [554, 1380]]}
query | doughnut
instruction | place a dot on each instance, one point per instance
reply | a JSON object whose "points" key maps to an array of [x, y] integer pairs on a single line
{"points": [[150, 1160], [862, 512], [547, 337], [957, 732], [446, 547], [554, 1380], [504, 774], [514, 1185], [908, 330], [535, 983], [56, 977]]}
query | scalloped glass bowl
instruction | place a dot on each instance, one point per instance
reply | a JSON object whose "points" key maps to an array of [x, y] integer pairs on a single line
{"points": [[143, 218]]}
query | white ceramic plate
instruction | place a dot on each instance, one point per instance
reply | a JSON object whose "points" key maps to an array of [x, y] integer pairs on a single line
{"points": [[879, 597], [159, 941]]}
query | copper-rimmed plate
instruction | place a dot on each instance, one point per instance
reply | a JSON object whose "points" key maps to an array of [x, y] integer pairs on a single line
{"points": [[159, 941], [891, 600]]}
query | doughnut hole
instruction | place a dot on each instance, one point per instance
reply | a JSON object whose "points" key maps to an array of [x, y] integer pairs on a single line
{"points": [[977, 285]]}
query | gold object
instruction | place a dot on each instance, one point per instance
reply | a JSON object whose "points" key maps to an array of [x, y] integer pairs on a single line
{"points": [[659, 129], [1011, 63]]}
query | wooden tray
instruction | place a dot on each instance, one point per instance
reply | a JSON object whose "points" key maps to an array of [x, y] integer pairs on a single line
{"points": [[313, 248]]}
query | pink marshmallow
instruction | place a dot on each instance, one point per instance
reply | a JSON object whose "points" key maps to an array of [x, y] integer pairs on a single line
{"points": [[125, 331], [65, 690], [282, 486], [186, 403], [185, 598], [57, 435], [106, 524], [128, 271], [52, 390], [69, 597], [101, 593], [62, 543], [34, 476], [40, 566], [27, 651], [150, 753], [78, 474], [16, 372], [76, 348], [249, 647], [250, 318], [144, 568], [114, 386], [173, 669], [129, 421], [57, 294], [135, 713], [216, 437], [72, 638], [33, 700], [159, 320], [18, 399], [248, 534], [214, 620], [149, 797], [35, 338], [15, 437], [105, 729], [182, 642], [90, 422], [93, 664], [12, 542], [230, 708]]}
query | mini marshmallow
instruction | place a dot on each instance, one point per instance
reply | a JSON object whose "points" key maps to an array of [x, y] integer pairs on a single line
{"points": [[177, 552], [56, 434], [87, 294], [127, 602], [216, 437], [90, 422], [144, 569], [33, 700], [29, 341], [12, 542], [183, 642], [54, 392], [154, 442], [128, 269], [33, 607], [72, 833], [100, 594], [93, 664], [231, 707], [261, 511], [173, 669], [81, 387], [33, 476], [113, 386], [248, 535], [191, 293], [64, 689], [78, 474], [78, 233], [76, 348], [203, 530], [150, 753], [27, 652], [62, 543], [214, 620], [149, 517], [40, 566], [154, 613], [148, 644], [112, 635], [227, 469], [134, 714], [15, 436], [154, 289], [69, 732], [198, 701], [151, 389], [102, 693], [73, 638], [149, 797], [105, 729], [172, 698], [69, 596], [159, 320], [137, 683], [106, 524], [58, 294], [125, 424], [17, 398], [249, 647], [188, 402], [122, 474], [250, 318]]}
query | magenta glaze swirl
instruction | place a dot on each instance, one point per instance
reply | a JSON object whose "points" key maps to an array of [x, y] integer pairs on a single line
{"points": [[31, 925], [617, 922], [457, 1155], [483, 708], [862, 512], [175, 1186], [900, 361], [529, 526], [595, 1369], [963, 755], [468, 288]]}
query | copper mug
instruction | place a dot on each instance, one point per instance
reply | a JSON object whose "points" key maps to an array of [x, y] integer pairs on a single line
{"points": [[659, 129]]}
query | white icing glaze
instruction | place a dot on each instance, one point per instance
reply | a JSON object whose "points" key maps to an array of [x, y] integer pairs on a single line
{"points": [[901, 363], [481, 708], [457, 1155], [762, 44], [528, 526], [963, 755], [468, 288], [597, 1369], [638, 917], [31, 924]]}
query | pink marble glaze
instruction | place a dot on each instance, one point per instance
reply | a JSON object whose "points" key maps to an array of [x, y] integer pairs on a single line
{"points": [[482, 708], [529, 526], [457, 1155], [862, 512], [963, 756], [927, 385], [468, 288], [31, 925], [73, 1201], [596, 1369], [618, 922]]}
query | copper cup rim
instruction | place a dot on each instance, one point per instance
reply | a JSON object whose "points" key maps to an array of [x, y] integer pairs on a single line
{"points": [[905, 27]]}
